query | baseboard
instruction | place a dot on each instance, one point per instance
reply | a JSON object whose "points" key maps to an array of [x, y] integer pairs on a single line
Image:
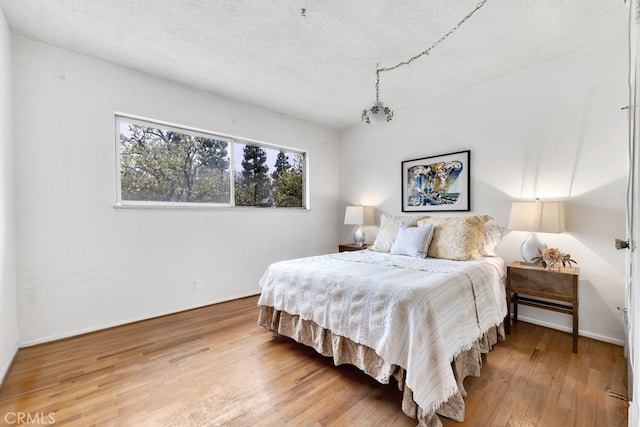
{"points": [[70, 334], [563, 328], [5, 369], [56, 337]]}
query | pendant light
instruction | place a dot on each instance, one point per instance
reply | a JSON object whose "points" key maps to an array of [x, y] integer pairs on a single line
{"points": [[378, 113]]}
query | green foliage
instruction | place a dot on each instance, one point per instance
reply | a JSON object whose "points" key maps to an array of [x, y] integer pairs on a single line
{"points": [[158, 165], [282, 165], [288, 184], [168, 166], [252, 184]]}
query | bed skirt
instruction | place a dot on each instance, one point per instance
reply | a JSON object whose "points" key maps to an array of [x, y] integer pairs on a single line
{"points": [[343, 350]]}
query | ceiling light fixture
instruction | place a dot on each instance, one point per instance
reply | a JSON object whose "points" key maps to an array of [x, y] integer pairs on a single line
{"points": [[378, 113]]}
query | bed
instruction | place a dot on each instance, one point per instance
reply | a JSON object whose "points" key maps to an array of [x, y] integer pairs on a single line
{"points": [[424, 321]]}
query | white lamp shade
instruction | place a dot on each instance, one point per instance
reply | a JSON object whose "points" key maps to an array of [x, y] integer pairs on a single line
{"points": [[354, 215], [544, 217]]}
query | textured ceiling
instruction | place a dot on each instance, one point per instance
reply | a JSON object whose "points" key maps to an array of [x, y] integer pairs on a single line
{"points": [[320, 65]]}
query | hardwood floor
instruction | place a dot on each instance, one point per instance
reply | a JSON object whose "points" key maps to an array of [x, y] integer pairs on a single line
{"points": [[215, 366]]}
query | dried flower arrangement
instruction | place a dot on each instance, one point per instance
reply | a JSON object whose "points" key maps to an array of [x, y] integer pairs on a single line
{"points": [[552, 256]]}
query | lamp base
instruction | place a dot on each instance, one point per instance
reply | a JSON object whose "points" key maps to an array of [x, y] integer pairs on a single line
{"points": [[531, 248], [359, 237]]}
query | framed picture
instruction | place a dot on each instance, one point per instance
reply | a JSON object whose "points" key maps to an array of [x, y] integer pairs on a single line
{"points": [[437, 183]]}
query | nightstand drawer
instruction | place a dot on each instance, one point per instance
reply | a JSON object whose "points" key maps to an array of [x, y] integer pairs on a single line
{"points": [[543, 283]]}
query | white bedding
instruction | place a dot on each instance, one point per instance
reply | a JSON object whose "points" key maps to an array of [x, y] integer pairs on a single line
{"points": [[415, 313]]}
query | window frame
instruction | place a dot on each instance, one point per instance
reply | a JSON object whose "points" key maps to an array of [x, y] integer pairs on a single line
{"points": [[230, 139]]}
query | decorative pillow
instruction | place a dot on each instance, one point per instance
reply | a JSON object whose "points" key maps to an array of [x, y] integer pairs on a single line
{"points": [[491, 239], [456, 238], [389, 226], [413, 241]]}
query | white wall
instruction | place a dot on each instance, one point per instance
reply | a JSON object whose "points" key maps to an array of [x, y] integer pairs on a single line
{"points": [[84, 265], [551, 131], [8, 311], [555, 130]]}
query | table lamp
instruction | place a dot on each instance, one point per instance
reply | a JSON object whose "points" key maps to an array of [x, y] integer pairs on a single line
{"points": [[542, 217], [354, 215]]}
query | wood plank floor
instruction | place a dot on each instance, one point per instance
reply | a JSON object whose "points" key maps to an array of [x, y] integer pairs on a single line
{"points": [[216, 366]]}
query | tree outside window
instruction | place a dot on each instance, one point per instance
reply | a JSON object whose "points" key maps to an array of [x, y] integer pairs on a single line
{"points": [[170, 165]]}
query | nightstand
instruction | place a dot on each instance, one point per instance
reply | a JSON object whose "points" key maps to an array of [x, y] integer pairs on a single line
{"points": [[558, 285], [350, 247]]}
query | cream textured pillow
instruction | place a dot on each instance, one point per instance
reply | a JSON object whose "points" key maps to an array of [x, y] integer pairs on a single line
{"points": [[491, 239], [456, 238], [389, 226], [412, 241]]}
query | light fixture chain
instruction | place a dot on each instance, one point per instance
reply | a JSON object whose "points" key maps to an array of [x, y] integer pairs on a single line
{"points": [[427, 51], [378, 111]]}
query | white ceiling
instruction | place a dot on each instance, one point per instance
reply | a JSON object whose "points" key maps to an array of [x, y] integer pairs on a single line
{"points": [[320, 66]]}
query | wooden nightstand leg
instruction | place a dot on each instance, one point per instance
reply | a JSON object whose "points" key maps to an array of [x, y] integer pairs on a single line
{"points": [[575, 327], [507, 318]]}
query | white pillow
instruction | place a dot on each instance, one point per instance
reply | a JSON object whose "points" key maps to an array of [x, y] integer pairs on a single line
{"points": [[412, 241], [491, 239], [389, 226]]}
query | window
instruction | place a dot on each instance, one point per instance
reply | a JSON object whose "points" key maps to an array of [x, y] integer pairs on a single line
{"points": [[167, 165], [268, 177]]}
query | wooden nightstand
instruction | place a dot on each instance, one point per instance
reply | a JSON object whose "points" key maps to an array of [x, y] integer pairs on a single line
{"points": [[557, 285], [350, 247]]}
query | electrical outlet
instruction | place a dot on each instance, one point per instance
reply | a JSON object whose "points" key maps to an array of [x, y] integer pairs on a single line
{"points": [[194, 285]]}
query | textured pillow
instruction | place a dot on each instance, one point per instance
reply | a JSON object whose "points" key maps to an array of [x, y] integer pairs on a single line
{"points": [[412, 241], [389, 226], [491, 239], [456, 238]]}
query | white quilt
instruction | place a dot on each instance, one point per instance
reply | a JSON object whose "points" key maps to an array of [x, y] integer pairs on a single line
{"points": [[415, 313]]}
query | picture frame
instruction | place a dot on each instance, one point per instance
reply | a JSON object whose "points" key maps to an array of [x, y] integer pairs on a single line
{"points": [[437, 183]]}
